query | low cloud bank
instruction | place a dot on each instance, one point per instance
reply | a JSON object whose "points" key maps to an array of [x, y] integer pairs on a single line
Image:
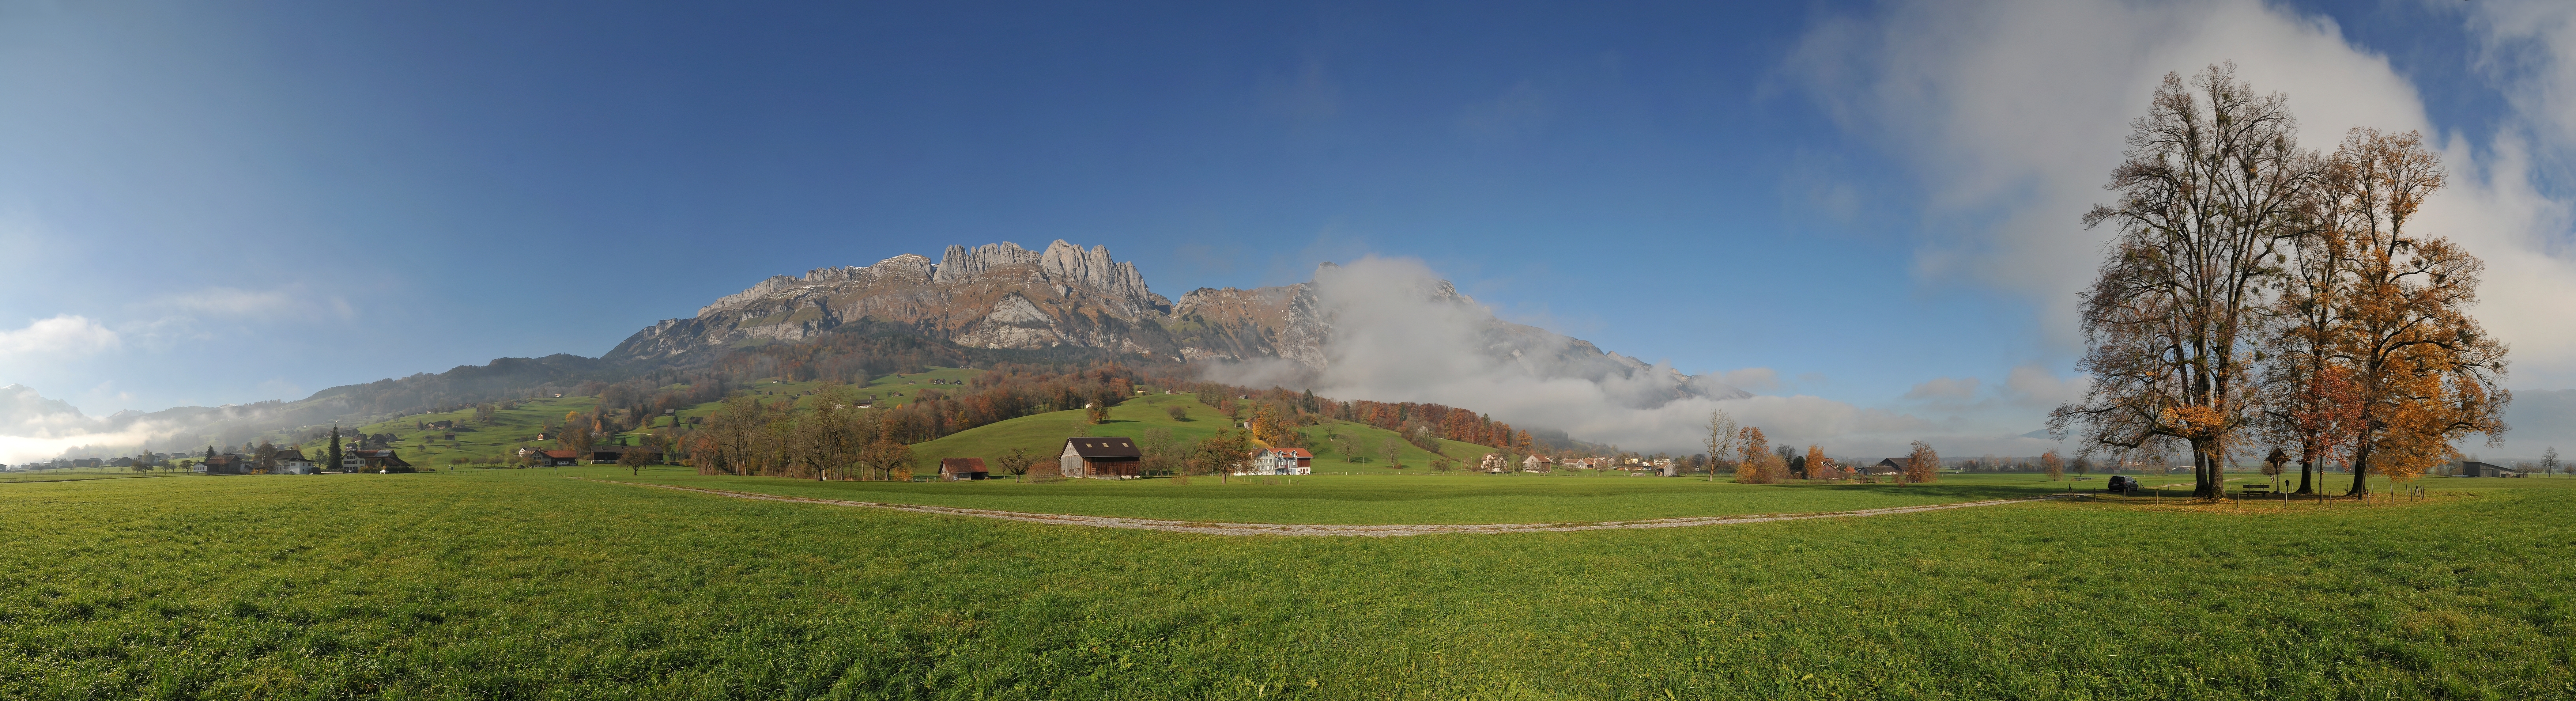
{"points": [[1400, 334]]}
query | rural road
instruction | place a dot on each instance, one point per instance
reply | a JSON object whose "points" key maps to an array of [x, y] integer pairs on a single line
{"points": [[1377, 531]]}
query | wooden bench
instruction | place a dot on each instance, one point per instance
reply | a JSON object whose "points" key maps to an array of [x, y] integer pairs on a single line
{"points": [[2255, 491]]}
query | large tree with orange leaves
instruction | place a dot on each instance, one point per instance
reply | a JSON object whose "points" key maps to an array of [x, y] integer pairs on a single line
{"points": [[2212, 186], [1922, 465], [1750, 443], [2423, 373]]}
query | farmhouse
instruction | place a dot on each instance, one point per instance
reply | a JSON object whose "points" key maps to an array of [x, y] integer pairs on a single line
{"points": [[954, 469], [1280, 461], [2474, 468], [293, 462], [225, 464], [1101, 456], [1891, 466], [550, 458], [1534, 463], [376, 460]]}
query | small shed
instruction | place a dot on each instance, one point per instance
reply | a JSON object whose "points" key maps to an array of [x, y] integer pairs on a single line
{"points": [[954, 469], [1101, 456], [2474, 468]]}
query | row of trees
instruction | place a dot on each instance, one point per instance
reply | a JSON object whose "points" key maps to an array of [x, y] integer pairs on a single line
{"points": [[2258, 292]]}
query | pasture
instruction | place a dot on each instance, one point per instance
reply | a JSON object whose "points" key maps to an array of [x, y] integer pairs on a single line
{"points": [[523, 584]]}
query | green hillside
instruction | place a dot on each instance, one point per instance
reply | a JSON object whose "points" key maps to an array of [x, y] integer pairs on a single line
{"points": [[498, 440], [886, 392], [1044, 434], [476, 442]]}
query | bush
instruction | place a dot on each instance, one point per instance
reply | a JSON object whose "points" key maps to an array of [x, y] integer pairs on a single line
{"points": [[1178, 413]]}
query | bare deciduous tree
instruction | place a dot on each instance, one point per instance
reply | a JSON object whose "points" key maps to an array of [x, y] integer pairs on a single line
{"points": [[2212, 185]]}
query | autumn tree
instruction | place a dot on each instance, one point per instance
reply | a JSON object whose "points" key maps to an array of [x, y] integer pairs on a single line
{"points": [[2212, 184], [634, 461], [1394, 452], [886, 458], [1755, 450], [1816, 464], [1223, 454], [2053, 466], [1720, 440], [1162, 452], [1016, 462], [833, 434], [1923, 465], [2424, 371]]}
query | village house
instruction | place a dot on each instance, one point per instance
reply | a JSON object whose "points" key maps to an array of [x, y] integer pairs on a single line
{"points": [[1535, 463], [1891, 466], [954, 469], [1280, 461], [1108, 457], [1493, 462]]}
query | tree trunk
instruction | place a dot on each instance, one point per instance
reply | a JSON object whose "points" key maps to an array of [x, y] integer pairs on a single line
{"points": [[2360, 472], [2304, 467], [2204, 474]]}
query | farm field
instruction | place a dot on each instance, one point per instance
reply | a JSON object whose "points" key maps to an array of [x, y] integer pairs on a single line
{"points": [[522, 584], [74, 474], [1406, 499]]}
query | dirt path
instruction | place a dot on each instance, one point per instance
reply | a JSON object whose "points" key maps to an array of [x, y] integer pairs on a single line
{"points": [[1379, 531]]}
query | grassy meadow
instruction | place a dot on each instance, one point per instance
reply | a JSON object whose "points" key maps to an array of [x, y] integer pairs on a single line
{"points": [[1568, 496], [495, 584]]}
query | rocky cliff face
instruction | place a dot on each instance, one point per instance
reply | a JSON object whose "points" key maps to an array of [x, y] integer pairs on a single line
{"points": [[1004, 296]]}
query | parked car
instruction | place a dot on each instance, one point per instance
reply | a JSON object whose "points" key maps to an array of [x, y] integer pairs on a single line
{"points": [[2122, 484]]}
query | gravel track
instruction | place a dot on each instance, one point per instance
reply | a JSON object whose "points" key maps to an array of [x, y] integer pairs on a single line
{"points": [[1377, 531]]}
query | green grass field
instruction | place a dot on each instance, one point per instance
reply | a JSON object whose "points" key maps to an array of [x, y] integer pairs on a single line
{"points": [[79, 473], [521, 584], [1370, 499]]}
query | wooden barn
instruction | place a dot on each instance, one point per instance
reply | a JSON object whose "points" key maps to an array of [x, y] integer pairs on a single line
{"points": [[954, 469], [2473, 468], [554, 458], [1101, 456]]}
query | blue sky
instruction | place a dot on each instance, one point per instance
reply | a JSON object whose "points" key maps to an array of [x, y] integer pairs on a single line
{"points": [[263, 200]]}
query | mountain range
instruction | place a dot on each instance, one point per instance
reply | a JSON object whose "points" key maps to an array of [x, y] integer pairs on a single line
{"points": [[1004, 296]]}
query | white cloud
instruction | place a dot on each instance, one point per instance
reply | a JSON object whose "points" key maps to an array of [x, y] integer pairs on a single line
{"points": [[1392, 342], [2036, 387], [65, 335], [1944, 388], [2012, 114]]}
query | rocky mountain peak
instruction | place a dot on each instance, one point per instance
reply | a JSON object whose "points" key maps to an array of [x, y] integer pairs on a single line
{"points": [[1001, 295]]}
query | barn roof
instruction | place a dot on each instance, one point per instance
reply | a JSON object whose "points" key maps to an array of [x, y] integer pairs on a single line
{"points": [[962, 465], [1104, 447]]}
